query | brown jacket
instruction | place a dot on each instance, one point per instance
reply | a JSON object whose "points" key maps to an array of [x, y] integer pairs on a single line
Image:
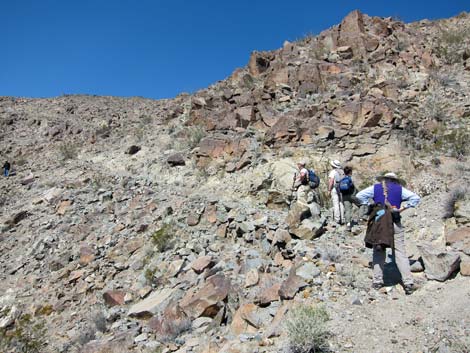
{"points": [[380, 232]]}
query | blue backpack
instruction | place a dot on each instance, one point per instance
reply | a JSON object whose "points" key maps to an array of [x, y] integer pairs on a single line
{"points": [[346, 185], [313, 179]]}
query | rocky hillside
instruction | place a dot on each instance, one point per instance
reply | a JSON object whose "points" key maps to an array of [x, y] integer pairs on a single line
{"points": [[134, 225]]}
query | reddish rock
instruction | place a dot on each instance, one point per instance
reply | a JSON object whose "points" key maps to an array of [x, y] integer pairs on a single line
{"points": [[193, 219], [113, 298], [239, 323], [201, 263], [291, 285], [170, 323], [269, 294], [206, 301]]}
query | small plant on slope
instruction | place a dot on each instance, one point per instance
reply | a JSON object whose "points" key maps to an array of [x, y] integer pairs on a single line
{"points": [[306, 329]]}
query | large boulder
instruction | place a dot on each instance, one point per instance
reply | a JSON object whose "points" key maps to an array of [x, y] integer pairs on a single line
{"points": [[207, 300], [153, 304], [439, 265]]}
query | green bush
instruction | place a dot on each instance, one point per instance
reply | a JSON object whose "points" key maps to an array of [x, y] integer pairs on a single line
{"points": [[194, 135], [162, 238], [451, 43], [68, 151], [306, 329]]}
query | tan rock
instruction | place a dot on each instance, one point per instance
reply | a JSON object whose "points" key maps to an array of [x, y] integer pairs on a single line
{"points": [[239, 323], [222, 230], [63, 206], [269, 294], [174, 268], [87, 255], [211, 213], [252, 278], [465, 268], [152, 304], [201, 263]]}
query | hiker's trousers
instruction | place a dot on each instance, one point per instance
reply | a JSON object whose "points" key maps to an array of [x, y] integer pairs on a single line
{"points": [[348, 202], [338, 207], [399, 255], [303, 195]]}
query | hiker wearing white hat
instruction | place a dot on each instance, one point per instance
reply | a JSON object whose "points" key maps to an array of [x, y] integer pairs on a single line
{"points": [[334, 177], [390, 193]]}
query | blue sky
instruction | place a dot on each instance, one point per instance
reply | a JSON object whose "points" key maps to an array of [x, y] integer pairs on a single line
{"points": [[157, 49]]}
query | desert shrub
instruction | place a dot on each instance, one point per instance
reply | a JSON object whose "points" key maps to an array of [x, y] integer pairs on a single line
{"points": [[306, 329], [68, 151], [162, 238], [350, 276], [146, 119], [26, 336], [331, 253], [434, 107], [99, 320], [194, 135], [149, 275], [453, 197], [451, 43]]}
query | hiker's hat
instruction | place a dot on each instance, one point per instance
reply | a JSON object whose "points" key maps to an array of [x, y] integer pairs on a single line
{"points": [[335, 164], [302, 163], [391, 176]]}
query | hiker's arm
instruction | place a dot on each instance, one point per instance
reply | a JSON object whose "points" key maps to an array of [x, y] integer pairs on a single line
{"points": [[331, 183], [364, 195], [412, 199]]}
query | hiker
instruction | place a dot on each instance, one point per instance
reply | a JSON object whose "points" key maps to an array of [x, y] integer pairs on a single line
{"points": [[301, 184], [348, 190], [389, 191], [6, 169], [334, 177]]}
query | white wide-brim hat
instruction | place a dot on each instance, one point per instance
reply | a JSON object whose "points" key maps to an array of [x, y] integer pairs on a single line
{"points": [[335, 164], [391, 176]]}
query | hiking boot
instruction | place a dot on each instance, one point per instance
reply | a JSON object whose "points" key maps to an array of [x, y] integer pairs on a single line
{"points": [[377, 285], [409, 288]]}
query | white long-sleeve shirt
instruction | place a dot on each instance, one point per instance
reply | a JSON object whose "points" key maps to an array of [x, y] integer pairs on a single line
{"points": [[412, 199]]}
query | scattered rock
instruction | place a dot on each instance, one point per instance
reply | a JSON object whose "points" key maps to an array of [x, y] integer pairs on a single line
{"points": [[439, 265], [133, 149]]}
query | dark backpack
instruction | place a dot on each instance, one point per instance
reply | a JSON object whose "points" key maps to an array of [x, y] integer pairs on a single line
{"points": [[346, 185], [313, 179]]}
